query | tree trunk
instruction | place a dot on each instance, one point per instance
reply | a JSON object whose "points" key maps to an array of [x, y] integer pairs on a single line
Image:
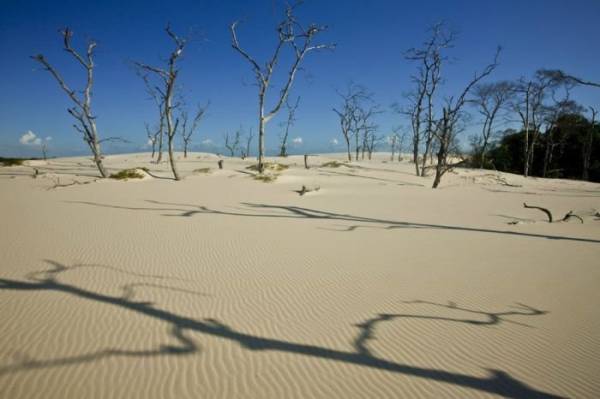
{"points": [[172, 160], [261, 133], [416, 156], [348, 147], [185, 150], [160, 147], [95, 147]]}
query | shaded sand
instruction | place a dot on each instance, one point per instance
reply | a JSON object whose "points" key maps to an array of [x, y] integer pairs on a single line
{"points": [[221, 286]]}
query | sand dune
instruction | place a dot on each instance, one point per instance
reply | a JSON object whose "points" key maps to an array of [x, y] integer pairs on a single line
{"points": [[221, 286]]}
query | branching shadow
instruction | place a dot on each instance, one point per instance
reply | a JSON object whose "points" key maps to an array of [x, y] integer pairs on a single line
{"points": [[498, 382], [296, 212]]}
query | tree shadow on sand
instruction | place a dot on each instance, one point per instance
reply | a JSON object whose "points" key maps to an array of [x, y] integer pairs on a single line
{"points": [[296, 212], [498, 382]]}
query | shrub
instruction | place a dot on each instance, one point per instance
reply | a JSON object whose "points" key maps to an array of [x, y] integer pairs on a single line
{"points": [[127, 174]]}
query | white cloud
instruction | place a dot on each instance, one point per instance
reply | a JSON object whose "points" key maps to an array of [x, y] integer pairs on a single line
{"points": [[297, 141], [333, 141], [207, 142], [30, 138]]}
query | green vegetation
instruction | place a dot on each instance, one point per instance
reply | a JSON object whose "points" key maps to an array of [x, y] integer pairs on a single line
{"points": [[11, 161], [334, 164], [559, 150], [202, 170], [274, 166], [127, 174], [265, 178]]}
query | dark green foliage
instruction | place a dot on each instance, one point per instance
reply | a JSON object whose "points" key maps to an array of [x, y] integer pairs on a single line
{"points": [[11, 161], [567, 139], [127, 174]]}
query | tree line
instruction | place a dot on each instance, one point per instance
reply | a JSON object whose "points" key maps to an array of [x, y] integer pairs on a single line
{"points": [[553, 126]]}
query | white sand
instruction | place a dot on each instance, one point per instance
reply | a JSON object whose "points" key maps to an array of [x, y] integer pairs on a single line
{"points": [[220, 286]]}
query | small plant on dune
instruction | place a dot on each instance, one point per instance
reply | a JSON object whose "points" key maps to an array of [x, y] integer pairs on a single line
{"points": [[334, 164], [265, 178], [274, 166], [11, 161], [202, 170], [127, 174]]}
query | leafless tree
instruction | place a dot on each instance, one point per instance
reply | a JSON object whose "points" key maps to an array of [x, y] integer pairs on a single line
{"points": [[82, 108], [365, 127], [289, 122], [588, 144], [246, 152], [448, 126], [558, 74], [530, 106], [188, 130], [301, 40], [552, 115], [420, 110], [152, 137], [348, 112], [232, 141], [489, 100], [156, 135], [167, 78], [44, 147]]}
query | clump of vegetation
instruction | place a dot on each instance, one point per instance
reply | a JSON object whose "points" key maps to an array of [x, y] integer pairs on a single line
{"points": [[274, 166], [127, 174], [202, 170], [334, 164], [11, 161], [265, 178]]}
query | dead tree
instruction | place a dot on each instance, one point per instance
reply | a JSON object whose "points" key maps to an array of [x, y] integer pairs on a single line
{"points": [[188, 131], [448, 126], [563, 76], [291, 119], [152, 137], [158, 133], [82, 108], [232, 141], [364, 124], [427, 80], [300, 39], [348, 113], [246, 152], [168, 79], [588, 145], [529, 105], [489, 100], [554, 138]]}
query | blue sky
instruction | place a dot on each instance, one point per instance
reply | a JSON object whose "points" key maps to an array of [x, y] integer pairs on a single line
{"points": [[371, 37]]}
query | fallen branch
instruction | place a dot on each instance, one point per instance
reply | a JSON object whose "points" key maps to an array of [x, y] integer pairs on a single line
{"points": [[546, 211], [305, 190], [570, 215]]}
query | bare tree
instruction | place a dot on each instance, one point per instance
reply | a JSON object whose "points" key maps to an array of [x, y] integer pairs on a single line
{"points": [[232, 141], [152, 137], [168, 78], [529, 105], [82, 109], [558, 74], [348, 112], [246, 152], [188, 131], [427, 80], [364, 124], [157, 134], [588, 144], [289, 122], [448, 126], [289, 33], [489, 100]]}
